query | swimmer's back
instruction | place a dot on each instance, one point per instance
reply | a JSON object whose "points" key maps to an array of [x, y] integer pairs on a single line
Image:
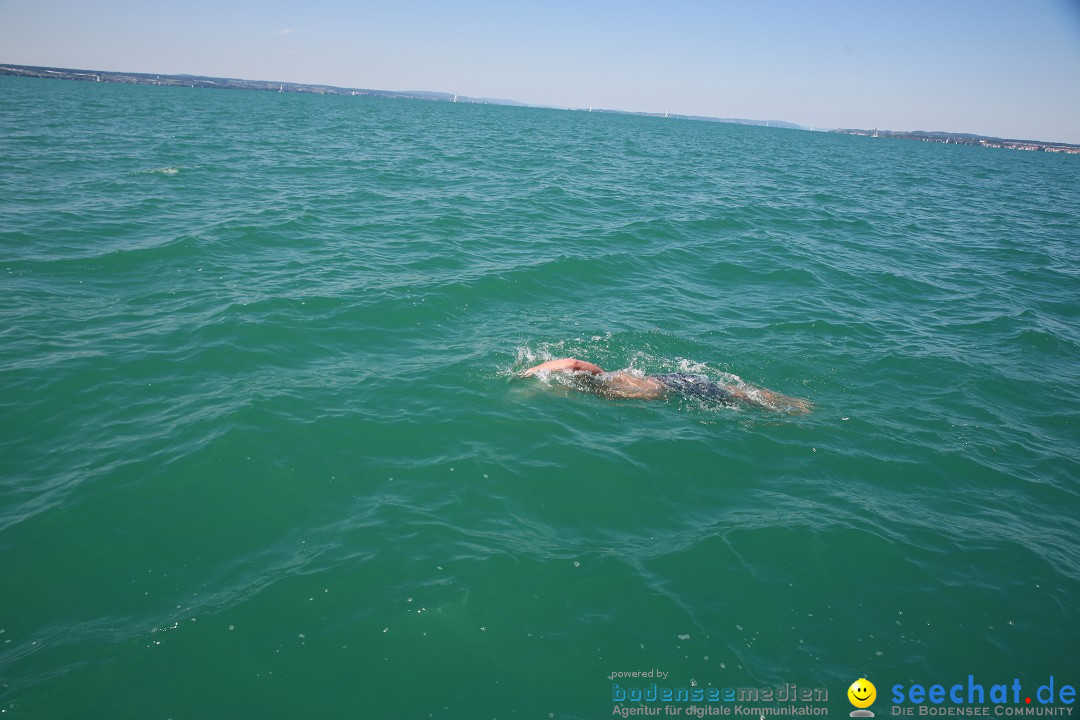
{"points": [[692, 385]]}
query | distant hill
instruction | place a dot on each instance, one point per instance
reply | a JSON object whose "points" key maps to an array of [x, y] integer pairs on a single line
{"points": [[202, 81]]}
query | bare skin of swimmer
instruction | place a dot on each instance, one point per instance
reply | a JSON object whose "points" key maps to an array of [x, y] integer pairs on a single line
{"points": [[625, 385]]}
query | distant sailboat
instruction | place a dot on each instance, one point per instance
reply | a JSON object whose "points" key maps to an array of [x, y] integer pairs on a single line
{"points": [[667, 112], [455, 97]]}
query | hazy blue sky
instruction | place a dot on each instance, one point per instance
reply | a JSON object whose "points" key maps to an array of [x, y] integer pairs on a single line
{"points": [[995, 67]]}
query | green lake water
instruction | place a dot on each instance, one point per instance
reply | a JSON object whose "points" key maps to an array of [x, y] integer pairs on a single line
{"points": [[264, 452]]}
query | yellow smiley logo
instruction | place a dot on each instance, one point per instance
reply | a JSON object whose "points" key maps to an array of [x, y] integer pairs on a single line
{"points": [[862, 693]]}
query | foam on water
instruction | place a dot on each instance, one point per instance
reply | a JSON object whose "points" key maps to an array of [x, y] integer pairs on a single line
{"points": [[162, 171]]}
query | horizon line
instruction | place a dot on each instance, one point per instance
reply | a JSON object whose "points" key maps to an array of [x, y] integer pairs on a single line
{"points": [[439, 95]]}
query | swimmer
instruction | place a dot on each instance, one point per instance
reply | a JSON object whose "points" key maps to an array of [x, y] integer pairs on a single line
{"points": [[621, 384]]}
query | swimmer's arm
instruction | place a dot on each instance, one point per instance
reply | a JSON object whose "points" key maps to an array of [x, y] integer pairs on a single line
{"points": [[617, 384], [564, 365]]}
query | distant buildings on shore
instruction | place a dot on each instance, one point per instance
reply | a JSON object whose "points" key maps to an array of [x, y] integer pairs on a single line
{"points": [[965, 139]]}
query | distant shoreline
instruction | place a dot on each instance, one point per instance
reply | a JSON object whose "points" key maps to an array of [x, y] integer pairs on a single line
{"points": [[200, 81], [968, 139]]}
